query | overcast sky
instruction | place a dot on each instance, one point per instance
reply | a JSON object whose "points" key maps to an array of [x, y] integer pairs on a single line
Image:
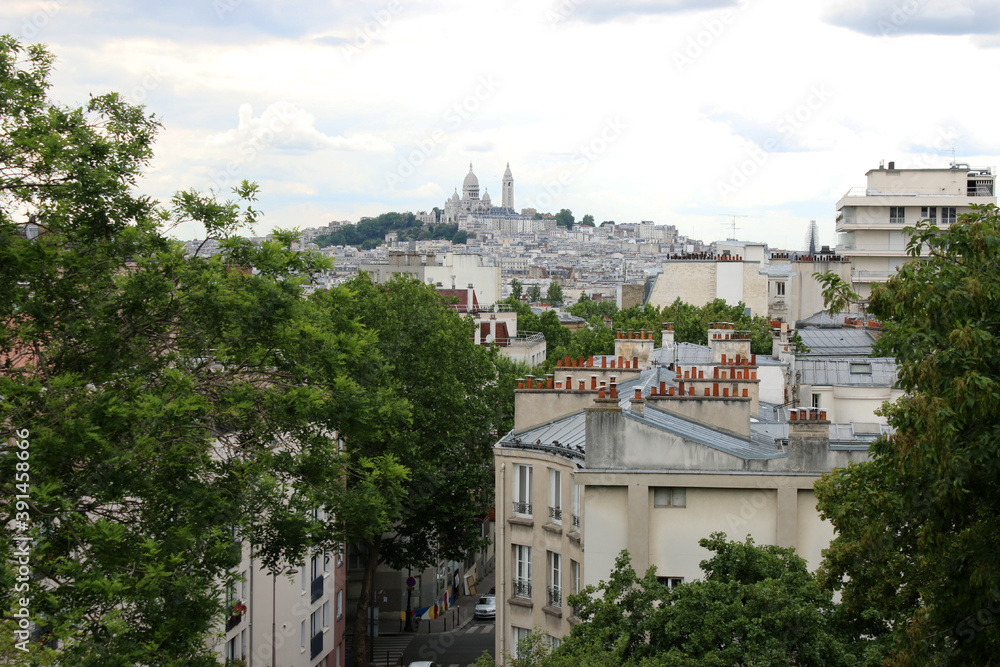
{"points": [[678, 111]]}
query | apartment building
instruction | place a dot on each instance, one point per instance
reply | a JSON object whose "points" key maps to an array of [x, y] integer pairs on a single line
{"points": [[871, 220], [632, 453]]}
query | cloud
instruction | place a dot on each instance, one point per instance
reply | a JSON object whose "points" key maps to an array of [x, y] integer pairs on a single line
{"points": [[600, 11], [888, 18], [285, 126]]}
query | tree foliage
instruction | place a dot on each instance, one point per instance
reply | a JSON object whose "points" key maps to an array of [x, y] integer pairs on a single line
{"points": [[370, 233], [915, 556], [564, 218], [554, 294], [453, 388], [756, 605], [837, 293]]}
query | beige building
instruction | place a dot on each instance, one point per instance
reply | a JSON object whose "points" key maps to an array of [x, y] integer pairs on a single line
{"points": [[870, 220], [650, 459], [449, 270], [736, 273]]}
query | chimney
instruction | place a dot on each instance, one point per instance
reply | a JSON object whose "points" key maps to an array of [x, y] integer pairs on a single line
{"points": [[638, 404], [808, 440]]}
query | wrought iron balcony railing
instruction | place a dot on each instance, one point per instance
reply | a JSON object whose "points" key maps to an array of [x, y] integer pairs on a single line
{"points": [[522, 588], [522, 508]]}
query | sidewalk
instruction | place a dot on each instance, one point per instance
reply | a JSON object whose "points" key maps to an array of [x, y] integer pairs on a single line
{"points": [[458, 616]]}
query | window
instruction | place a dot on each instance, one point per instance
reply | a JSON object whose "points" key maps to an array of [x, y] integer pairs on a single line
{"points": [[340, 603], [522, 571], [949, 214], [314, 567], [671, 582], [555, 580], [355, 558], [326, 614], [861, 369], [928, 213], [815, 400], [521, 634], [243, 644], [897, 215], [314, 624], [668, 496], [231, 649], [340, 556], [522, 489], [326, 562], [779, 289], [555, 641], [555, 495], [576, 506], [574, 573], [302, 635], [304, 575]]}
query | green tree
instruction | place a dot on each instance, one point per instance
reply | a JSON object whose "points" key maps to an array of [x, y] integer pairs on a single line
{"points": [[757, 605], [915, 553], [147, 388], [516, 289], [564, 218], [535, 293], [837, 293], [452, 387], [587, 220], [554, 295]]}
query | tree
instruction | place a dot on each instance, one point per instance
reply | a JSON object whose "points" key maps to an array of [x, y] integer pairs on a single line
{"points": [[452, 387], [915, 554], [756, 605], [554, 295], [837, 293], [587, 220], [564, 218], [167, 403], [516, 289], [608, 223], [535, 293]]}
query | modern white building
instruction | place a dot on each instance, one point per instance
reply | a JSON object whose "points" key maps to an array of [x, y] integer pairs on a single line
{"points": [[871, 220]]}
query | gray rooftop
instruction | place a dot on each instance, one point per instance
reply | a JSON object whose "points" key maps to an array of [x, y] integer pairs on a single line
{"points": [[837, 342], [849, 372]]}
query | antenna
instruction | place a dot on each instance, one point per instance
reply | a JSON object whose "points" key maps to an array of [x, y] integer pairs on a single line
{"points": [[733, 223]]}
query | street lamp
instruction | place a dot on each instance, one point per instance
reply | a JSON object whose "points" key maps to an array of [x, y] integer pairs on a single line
{"points": [[274, 598]]}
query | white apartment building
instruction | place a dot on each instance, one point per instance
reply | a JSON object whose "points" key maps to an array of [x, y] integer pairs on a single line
{"points": [[870, 220]]}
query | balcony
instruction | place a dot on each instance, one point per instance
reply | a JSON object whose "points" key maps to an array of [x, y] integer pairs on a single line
{"points": [[522, 508], [315, 646], [576, 522], [316, 588], [233, 621], [555, 513], [522, 588], [871, 276], [554, 597]]}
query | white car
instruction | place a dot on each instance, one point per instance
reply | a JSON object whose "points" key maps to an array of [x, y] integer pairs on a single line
{"points": [[486, 607], [423, 663]]}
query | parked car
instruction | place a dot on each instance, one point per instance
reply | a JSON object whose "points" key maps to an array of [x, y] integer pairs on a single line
{"points": [[486, 607], [423, 663]]}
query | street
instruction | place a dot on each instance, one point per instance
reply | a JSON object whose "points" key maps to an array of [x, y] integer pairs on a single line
{"points": [[457, 648]]}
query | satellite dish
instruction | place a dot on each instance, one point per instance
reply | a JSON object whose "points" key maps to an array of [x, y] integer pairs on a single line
{"points": [[489, 338]]}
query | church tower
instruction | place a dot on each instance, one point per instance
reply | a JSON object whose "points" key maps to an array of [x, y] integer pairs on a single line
{"points": [[507, 191]]}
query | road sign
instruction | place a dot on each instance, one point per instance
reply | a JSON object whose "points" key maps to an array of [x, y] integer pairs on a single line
{"points": [[411, 582]]}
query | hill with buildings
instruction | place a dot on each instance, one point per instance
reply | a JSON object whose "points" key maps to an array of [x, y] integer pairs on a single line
{"points": [[371, 232]]}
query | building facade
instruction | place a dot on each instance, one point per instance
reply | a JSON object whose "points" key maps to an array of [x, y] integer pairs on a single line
{"points": [[871, 220]]}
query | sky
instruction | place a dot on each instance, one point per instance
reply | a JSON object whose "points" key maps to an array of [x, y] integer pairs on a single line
{"points": [[696, 113]]}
